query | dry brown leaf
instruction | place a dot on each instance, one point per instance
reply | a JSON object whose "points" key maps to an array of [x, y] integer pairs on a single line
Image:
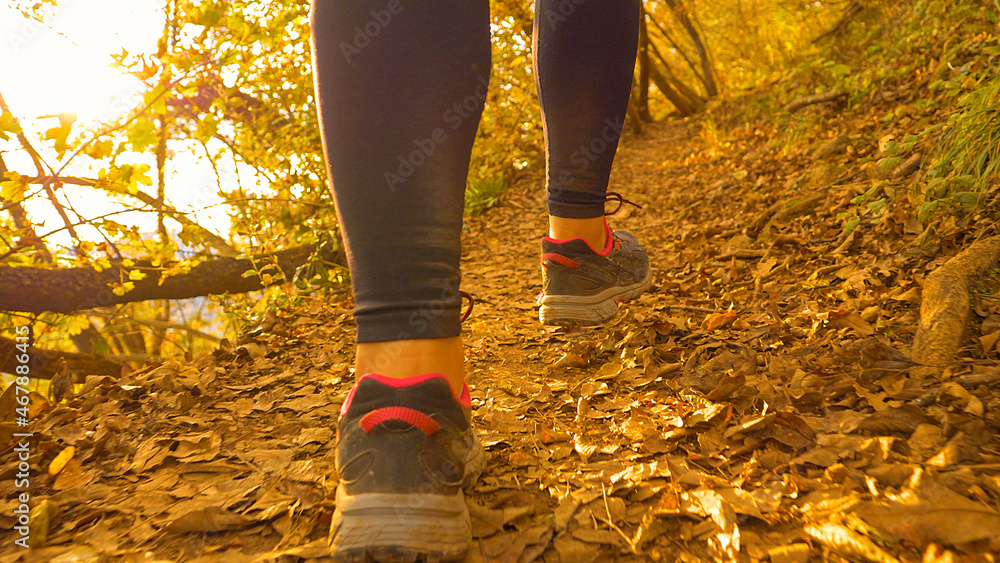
{"points": [[73, 476], [597, 536], [571, 360], [932, 514], [572, 550], [851, 320], [905, 418], [795, 553], [211, 519], [59, 462], [989, 341], [848, 543]]}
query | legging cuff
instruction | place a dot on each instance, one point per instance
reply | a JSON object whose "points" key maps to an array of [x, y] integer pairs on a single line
{"points": [[408, 323], [576, 210]]}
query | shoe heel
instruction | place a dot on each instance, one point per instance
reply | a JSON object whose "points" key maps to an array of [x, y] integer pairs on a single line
{"points": [[400, 527], [578, 314]]}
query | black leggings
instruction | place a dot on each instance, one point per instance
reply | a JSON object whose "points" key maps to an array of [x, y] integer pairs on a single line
{"points": [[400, 87]]}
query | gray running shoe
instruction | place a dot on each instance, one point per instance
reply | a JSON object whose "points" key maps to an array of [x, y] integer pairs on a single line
{"points": [[404, 449], [581, 286]]}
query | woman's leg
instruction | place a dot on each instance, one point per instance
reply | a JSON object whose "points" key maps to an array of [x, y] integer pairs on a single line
{"points": [[400, 87], [584, 58]]}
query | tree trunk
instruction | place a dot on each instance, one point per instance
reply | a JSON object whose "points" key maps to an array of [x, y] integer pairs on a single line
{"points": [[38, 290], [706, 64], [643, 99], [684, 106], [677, 48], [696, 100]]}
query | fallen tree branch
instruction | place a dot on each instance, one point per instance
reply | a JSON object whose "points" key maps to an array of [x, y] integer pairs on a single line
{"points": [[944, 308], [821, 98], [908, 167], [155, 323], [38, 290], [804, 206]]}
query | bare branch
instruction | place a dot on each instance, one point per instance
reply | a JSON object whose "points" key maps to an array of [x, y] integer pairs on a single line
{"points": [[44, 364], [212, 239], [21, 220]]}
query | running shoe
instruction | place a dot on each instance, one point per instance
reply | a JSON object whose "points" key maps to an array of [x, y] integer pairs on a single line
{"points": [[404, 449], [582, 286]]}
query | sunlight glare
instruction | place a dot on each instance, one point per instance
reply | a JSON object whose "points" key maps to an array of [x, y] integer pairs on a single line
{"points": [[62, 65]]}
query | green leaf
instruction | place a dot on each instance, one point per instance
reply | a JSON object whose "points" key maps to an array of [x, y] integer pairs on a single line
{"points": [[877, 205], [207, 127], [851, 225], [8, 124], [60, 133], [840, 70], [142, 134], [925, 210], [13, 190], [100, 149], [212, 14]]}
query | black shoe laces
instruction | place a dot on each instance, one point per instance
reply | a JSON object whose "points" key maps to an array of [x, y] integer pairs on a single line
{"points": [[615, 196], [468, 310]]}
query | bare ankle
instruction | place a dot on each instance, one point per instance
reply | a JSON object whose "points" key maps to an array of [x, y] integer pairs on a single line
{"points": [[400, 359], [592, 230]]}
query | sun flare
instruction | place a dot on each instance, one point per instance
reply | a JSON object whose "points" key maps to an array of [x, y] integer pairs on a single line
{"points": [[62, 65]]}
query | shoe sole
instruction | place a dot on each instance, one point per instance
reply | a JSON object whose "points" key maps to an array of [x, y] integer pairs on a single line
{"points": [[402, 528], [591, 310]]}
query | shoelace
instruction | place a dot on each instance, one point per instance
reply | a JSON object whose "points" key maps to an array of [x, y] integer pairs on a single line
{"points": [[468, 311], [610, 196], [621, 201]]}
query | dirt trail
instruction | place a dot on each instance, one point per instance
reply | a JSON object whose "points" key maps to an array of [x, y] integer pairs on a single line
{"points": [[755, 404]]}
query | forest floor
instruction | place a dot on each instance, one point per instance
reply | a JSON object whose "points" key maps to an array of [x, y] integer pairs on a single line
{"points": [[758, 403]]}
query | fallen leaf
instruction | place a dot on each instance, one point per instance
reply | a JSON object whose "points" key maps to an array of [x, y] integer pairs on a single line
{"points": [[60, 461], [212, 519], [848, 543], [932, 514]]}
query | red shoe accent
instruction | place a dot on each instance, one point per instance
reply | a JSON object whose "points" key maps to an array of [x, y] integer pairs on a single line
{"points": [[414, 418], [560, 259], [464, 399], [608, 241]]}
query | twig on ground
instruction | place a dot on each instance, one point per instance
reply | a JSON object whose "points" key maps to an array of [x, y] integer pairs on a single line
{"points": [[611, 523]]}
